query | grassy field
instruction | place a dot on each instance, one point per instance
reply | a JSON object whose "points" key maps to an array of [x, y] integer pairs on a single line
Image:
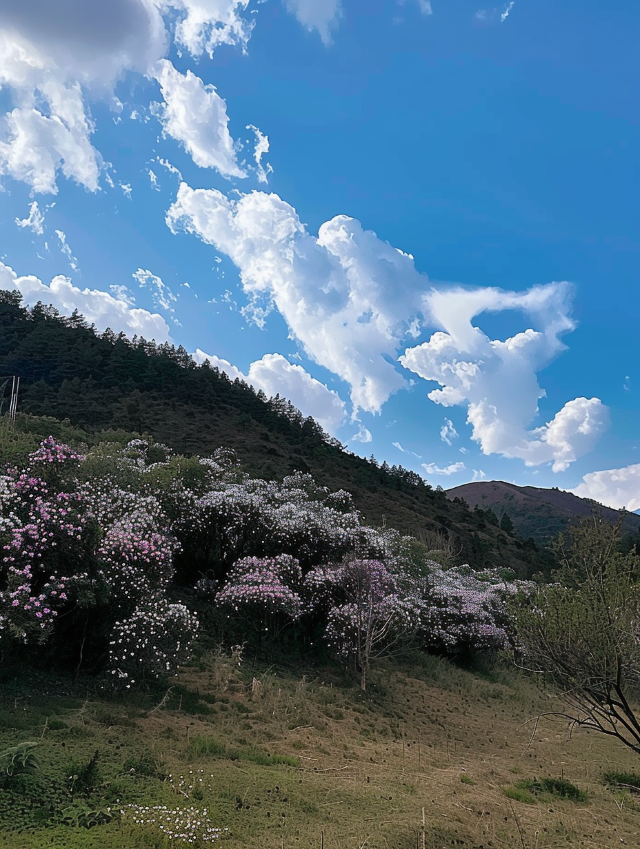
{"points": [[284, 760]]}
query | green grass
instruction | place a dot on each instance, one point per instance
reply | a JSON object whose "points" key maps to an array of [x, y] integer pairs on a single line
{"points": [[622, 781], [546, 787]]}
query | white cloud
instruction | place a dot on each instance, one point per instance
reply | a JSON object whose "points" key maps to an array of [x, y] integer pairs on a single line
{"points": [[433, 469], [123, 293], [171, 168], [321, 15], [496, 379], [51, 53], [448, 432], [34, 221], [615, 488], [262, 147], [346, 295], [163, 297], [478, 475], [275, 375], [363, 435], [492, 15], [352, 299], [399, 447], [206, 24], [505, 14], [55, 55], [99, 308], [66, 250], [153, 177], [195, 115], [126, 189]]}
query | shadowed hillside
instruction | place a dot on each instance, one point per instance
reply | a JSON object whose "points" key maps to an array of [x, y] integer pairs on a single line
{"points": [[538, 513]]}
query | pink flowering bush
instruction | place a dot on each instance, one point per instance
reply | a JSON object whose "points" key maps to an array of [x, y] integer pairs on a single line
{"points": [[467, 610], [263, 592], [369, 610], [93, 551]]}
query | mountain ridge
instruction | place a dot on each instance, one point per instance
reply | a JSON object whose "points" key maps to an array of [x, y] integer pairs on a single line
{"points": [[537, 512]]}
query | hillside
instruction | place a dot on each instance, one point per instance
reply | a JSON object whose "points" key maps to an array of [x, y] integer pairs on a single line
{"points": [[434, 757], [538, 513], [105, 381]]}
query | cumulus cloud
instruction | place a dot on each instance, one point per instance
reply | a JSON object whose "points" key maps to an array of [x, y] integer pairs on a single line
{"points": [[34, 221], [433, 469], [352, 299], [99, 308], [195, 115], [448, 432], [615, 488], [206, 24], [275, 375], [57, 54], [347, 296], [497, 380], [321, 15], [163, 297], [49, 53]]}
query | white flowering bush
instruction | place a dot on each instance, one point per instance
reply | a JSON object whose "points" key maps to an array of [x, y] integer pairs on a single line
{"points": [[153, 642], [182, 826]]}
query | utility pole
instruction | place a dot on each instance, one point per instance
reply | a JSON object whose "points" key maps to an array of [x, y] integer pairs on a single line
{"points": [[13, 398]]}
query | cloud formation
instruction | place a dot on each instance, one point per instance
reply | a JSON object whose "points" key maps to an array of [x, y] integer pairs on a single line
{"points": [[163, 297], [496, 380], [320, 15], [97, 307], [448, 432], [34, 221], [615, 488], [275, 375], [346, 295], [452, 469], [195, 115], [351, 299], [57, 54]]}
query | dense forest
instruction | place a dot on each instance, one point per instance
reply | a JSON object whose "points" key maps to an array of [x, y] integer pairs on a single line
{"points": [[97, 382]]}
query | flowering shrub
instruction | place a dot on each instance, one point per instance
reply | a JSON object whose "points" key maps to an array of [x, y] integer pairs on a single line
{"points": [[264, 592], [467, 610], [153, 642], [186, 826], [369, 609], [76, 547]]}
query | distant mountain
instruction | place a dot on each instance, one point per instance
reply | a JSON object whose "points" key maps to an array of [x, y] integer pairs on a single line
{"points": [[537, 513]]}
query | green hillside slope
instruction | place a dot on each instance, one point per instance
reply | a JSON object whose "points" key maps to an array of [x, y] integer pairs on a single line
{"points": [[106, 381]]}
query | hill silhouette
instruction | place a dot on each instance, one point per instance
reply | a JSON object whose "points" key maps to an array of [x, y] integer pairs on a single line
{"points": [[105, 381]]}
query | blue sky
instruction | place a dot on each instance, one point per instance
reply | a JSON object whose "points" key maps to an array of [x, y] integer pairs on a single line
{"points": [[419, 221]]}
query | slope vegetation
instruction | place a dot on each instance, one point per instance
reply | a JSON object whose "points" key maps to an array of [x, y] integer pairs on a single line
{"points": [[95, 382]]}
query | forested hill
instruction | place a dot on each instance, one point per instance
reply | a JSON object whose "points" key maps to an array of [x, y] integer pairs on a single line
{"points": [[106, 381], [539, 513]]}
